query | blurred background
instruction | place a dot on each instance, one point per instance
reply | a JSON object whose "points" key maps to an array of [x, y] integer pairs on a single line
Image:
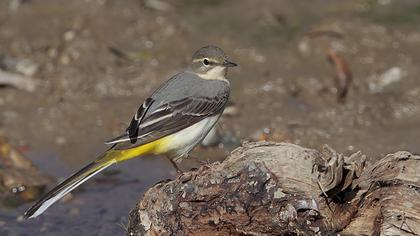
{"points": [[72, 74]]}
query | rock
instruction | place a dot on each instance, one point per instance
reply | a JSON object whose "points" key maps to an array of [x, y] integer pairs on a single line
{"points": [[24, 66], [158, 5], [377, 83], [17, 81], [20, 180], [69, 35], [27, 67]]}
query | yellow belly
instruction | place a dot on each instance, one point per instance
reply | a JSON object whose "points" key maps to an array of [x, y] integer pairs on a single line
{"points": [[156, 147], [176, 144]]}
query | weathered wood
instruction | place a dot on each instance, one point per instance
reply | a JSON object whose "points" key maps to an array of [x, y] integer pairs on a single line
{"points": [[283, 189], [17, 81]]}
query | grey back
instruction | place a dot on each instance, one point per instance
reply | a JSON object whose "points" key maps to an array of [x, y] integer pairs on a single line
{"points": [[187, 84]]}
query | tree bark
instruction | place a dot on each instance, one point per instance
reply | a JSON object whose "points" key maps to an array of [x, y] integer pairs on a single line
{"points": [[283, 189]]}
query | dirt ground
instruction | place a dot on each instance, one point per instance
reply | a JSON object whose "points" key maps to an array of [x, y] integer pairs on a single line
{"points": [[96, 60]]}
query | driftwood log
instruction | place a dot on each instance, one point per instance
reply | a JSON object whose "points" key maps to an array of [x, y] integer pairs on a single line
{"points": [[18, 81], [283, 189]]}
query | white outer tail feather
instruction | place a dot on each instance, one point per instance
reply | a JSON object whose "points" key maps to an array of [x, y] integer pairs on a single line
{"points": [[68, 189]]}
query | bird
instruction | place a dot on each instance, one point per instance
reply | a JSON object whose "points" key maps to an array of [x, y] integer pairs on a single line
{"points": [[171, 122]]}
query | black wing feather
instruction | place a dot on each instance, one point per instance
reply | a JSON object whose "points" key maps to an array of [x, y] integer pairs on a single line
{"points": [[133, 128]]}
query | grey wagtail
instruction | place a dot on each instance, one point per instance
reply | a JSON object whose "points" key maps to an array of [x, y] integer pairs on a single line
{"points": [[172, 121]]}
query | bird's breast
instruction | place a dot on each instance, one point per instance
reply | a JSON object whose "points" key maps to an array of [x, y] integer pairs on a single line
{"points": [[182, 142]]}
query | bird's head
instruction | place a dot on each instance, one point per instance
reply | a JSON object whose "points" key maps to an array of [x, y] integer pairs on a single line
{"points": [[210, 62]]}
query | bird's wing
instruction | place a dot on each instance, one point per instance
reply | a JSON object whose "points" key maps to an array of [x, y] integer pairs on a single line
{"points": [[169, 118], [133, 128]]}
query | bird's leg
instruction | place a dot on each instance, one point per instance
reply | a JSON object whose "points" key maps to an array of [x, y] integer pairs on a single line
{"points": [[202, 162], [189, 156], [194, 158], [175, 165], [205, 162]]}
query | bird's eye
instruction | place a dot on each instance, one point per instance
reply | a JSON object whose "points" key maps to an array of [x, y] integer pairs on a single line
{"points": [[206, 62]]}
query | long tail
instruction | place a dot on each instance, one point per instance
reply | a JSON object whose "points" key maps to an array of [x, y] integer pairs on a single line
{"points": [[102, 162]]}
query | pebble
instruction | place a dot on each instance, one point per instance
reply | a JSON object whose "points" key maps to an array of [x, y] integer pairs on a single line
{"points": [[69, 35], [65, 59], [377, 83], [60, 140], [304, 47], [158, 5], [26, 67]]}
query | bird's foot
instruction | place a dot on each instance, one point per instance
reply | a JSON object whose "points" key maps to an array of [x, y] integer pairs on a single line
{"points": [[175, 166], [205, 162]]}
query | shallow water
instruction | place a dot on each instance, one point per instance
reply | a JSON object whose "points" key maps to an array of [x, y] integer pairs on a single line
{"points": [[99, 207]]}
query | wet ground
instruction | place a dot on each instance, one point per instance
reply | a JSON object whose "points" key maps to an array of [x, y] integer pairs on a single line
{"points": [[98, 59]]}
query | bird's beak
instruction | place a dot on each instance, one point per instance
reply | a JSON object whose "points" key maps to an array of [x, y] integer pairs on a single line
{"points": [[227, 63]]}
